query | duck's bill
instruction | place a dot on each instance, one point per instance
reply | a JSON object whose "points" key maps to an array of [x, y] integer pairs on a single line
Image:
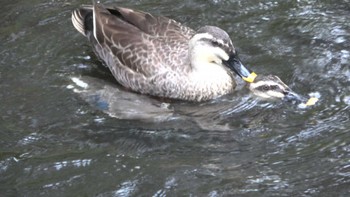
{"points": [[235, 64]]}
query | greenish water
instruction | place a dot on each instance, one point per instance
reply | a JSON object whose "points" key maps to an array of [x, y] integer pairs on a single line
{"points": [[57, 139]]}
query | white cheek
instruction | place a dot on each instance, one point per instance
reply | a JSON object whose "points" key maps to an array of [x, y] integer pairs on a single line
{"points": [[275, 94], [220, 53], [206, 54]]}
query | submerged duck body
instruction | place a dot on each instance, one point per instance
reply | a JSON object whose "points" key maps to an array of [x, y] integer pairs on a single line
{"points": [[158, 56]]}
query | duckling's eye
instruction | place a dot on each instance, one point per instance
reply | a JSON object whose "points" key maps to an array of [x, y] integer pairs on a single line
{"points": [[266, 87]]}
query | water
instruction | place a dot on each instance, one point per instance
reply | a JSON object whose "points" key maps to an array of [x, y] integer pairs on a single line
{"points": [[58, 139]]}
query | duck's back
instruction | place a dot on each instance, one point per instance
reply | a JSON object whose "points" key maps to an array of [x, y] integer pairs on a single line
{"points": [[118, 29]]}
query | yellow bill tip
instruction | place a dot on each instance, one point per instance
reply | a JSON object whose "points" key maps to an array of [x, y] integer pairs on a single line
{"points": [[250, 78], [311, 101]]}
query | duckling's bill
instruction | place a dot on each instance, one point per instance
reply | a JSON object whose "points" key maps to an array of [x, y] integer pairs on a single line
{"points": [[291, 96]]}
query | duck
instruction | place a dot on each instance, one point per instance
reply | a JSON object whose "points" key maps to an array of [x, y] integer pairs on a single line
{"points": [[161, 57]]}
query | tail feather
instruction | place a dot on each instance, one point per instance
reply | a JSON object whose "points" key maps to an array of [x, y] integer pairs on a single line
{"points": [[82, 19]]}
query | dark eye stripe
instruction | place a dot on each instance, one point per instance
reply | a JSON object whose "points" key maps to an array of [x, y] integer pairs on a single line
{"points": [[267, 87], [215, 43], [263, 88], [226, 48], [274, 87]]}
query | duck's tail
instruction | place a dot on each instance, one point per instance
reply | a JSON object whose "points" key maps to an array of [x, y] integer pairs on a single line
{"points": [[82, 19]]}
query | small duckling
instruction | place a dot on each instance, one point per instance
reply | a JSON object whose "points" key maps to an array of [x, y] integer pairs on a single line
{"points": [[272, 87]]}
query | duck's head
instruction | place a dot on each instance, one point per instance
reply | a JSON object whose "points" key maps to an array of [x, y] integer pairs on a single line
{"points": [[272, 87], [213, 45]]}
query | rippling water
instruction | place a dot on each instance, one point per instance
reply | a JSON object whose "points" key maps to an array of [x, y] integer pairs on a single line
{"points": [[58, 139]]}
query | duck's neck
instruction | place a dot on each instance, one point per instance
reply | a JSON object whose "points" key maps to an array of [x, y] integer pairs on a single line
{"points": [[211, 76], [208, 77]]}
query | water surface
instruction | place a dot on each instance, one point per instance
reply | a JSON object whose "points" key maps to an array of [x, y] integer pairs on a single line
{"points": [[57, 139]]}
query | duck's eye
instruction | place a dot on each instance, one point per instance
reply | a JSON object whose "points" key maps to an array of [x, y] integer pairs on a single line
{"points": [[215, 43]]}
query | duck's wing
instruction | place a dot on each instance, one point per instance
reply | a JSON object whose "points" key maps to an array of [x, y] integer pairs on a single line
{"points": [[140, 41]]}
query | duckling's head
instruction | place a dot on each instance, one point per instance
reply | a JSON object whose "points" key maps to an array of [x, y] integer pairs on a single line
{"points": [[272, 87], [212, 45]]}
